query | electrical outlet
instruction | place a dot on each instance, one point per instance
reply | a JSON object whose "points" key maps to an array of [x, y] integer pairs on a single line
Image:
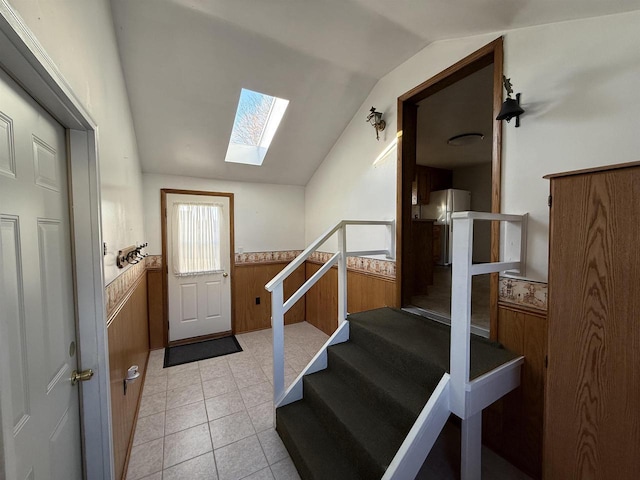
{"points": [[257, 300]]}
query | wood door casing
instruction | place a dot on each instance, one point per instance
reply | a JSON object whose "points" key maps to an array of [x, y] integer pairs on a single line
{"points": [[491, 53], [163, 226], [592, 422]]}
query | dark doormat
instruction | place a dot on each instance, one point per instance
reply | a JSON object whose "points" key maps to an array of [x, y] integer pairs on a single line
{"points": [[200, 351]]}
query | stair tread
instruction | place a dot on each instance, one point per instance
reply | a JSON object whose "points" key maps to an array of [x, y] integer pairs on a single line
{"points": [[395, 386], [426, 340], [371, 430], [312, 448]]}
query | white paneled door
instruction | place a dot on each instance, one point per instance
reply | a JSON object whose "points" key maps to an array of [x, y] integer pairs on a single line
{"points": [[40, 406], [198, 264]]}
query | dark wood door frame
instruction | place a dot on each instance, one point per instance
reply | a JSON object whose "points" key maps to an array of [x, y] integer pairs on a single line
{"points": [[407, 135], [165, 270]]}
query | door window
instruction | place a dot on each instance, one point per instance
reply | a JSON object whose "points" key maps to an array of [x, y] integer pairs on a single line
{"points": [[196, 238]]}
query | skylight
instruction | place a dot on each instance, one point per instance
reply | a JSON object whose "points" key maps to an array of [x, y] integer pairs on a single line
{"points": [[256, 122]]}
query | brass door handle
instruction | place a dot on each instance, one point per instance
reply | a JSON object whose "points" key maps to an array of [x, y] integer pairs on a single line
{"points": [[225, 274], [81, 376]]}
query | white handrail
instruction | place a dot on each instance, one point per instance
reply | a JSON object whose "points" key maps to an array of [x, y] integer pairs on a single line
{"points": [[276, 286], [463, 269], [307, 252]]}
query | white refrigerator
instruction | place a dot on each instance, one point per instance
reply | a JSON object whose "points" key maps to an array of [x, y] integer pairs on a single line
{"points": [[442, 203]]}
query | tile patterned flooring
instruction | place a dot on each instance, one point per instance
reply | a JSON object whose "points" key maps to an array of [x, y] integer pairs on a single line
{"points": [[213, 419]]}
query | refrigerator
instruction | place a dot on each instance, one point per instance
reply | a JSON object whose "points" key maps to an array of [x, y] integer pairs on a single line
{"points": [[442, 203]]}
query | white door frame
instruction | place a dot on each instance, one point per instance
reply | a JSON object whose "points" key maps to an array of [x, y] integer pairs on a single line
{"points": [[25, 60]]}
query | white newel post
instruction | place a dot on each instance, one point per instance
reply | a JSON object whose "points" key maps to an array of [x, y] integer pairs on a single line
{"points": [[277, 326], [471, 448], [342, 274], [460, 312]]}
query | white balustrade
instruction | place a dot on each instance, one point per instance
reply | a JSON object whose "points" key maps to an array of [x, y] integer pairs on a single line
{"points": [[279, 306]]}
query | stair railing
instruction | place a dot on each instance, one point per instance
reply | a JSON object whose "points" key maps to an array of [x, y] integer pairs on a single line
{"points": [[513, 256], [276, 286]]}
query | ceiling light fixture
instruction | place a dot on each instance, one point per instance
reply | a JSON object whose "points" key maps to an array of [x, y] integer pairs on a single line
{"points": [[465, 139], [511, 106], [375, 119]]}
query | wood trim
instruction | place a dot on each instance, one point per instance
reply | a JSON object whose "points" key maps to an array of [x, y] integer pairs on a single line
{"points": [[496, 177], [355, 270], [128, 336], [155, 308], [492, 53], [521, 308], [365, 292], [603, 168], [513, 426], [203, 338], [459, 70], [135, 418], [165, 288], [232, 249], [250, 282], [125, 298]]}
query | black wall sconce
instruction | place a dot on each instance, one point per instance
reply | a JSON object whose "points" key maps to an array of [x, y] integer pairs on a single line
{"points": [[511, 107], [375, 119]]}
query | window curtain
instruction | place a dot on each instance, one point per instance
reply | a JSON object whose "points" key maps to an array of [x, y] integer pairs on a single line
{"points": [[196, 238]]}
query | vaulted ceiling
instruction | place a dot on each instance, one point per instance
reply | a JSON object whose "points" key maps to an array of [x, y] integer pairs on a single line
{"points": [[185, 62]]}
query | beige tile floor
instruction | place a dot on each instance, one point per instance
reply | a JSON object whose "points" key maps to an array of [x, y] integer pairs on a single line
{"points": [[213, 419]]}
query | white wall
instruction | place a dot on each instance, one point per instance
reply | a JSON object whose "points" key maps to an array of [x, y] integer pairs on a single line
{"points": [[80, 39], [267, 217], [579, 84]]}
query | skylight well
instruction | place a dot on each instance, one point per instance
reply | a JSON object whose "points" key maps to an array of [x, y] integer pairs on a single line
{"points": [[256, 122]]}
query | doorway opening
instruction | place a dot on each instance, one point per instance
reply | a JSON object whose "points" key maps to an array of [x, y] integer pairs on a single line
{"points": [[448, 161], [198, 251]]}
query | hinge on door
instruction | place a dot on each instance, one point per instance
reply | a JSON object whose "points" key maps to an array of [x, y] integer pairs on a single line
{"points": [[549, 200]]}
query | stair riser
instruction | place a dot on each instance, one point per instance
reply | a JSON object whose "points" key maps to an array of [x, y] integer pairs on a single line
{"points": [[369, 392], [296, 456], [410, 365], [361, 459]]}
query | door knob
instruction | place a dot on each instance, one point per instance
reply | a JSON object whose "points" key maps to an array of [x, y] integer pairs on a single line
{"points": [[81, 376], [225, 274]]}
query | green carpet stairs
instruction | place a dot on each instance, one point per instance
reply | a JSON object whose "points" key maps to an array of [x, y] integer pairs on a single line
{"points": [[355, 414]]}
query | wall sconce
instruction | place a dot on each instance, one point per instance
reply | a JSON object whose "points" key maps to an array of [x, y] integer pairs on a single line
{"points": [[511, 107], [375, 119]]}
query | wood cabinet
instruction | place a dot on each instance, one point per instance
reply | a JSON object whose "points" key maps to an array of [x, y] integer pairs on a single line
{"points": [[427, 180], [437, 243], [592, 419], [422, 235]]}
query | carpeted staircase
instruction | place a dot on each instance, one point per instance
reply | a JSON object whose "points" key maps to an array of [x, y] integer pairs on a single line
{"points": [[355, 414]]}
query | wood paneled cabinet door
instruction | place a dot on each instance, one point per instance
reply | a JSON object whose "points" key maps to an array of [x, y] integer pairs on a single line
{"points": [[427, 180], [592, 418]]}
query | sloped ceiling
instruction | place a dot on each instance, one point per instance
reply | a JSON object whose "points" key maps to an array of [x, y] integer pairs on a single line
{"points": [[185, 62]]}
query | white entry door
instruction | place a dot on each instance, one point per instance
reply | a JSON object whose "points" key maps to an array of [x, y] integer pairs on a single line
{"points": [[199, 246], [40, 407]]}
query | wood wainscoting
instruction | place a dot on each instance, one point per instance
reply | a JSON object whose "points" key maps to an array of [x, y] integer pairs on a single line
{"points": [[128, 333], [156, 309], [365, 291], [513, 425], [252, 302]]}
